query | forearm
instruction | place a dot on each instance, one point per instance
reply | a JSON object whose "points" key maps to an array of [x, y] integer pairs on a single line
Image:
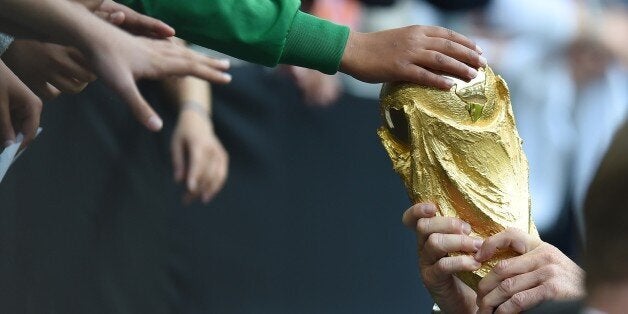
{"points": [[190, 93], [267, 32], [62, 22]]}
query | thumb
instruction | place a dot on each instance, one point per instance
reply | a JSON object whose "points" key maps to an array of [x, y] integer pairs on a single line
{"points": [[127, 89]]}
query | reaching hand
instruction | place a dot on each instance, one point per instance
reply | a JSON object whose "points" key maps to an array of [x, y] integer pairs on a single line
{"points": [[519, 283], [437, 237], [198, 157], [20, 109], [124, 58], [48, 69], [417, 54], [132, 21]]}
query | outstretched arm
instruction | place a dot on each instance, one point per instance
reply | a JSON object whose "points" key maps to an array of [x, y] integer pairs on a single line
{"points": [[270, 32], [114, 55], [198, 158]]}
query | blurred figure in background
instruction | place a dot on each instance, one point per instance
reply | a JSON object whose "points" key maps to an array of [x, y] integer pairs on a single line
{"points": [[605, 220]]}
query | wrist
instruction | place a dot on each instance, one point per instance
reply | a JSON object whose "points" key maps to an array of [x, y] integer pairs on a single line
{"points": [[350, 56], [195, 107]]}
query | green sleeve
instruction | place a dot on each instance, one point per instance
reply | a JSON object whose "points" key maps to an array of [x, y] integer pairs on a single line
{"points": [[267, 32]]}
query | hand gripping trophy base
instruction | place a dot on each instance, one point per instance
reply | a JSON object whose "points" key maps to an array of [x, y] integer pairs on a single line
{"points": [[460, 150]]}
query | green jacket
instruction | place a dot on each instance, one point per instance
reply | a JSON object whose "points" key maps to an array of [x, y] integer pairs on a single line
{"points": [[267, 32]]}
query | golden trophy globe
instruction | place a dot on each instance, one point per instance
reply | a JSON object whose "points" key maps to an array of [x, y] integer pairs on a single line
{"points": [[460, 150]]}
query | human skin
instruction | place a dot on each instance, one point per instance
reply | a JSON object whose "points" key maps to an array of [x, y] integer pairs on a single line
{"points": [[540, 273], [117, 57], [48, 69], [417, 54], [199, 160], [132, 21], [437, 237], [20, 109]]}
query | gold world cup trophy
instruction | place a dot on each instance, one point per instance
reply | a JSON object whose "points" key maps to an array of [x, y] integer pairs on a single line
{"points": [[460, 150]]}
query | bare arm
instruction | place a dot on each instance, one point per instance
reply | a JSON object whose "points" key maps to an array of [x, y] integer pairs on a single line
{"points": [[114, 55], [199, 160]]}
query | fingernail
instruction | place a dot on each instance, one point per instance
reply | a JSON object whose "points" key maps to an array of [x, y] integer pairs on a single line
{"points": [[483, 61], [227, 76], [8, 143], [450, 82], [477, 243], [113, 16], [473, 73], [428, 209], [479, 49], [192, 185], [466, 228], [225, 62], [155, 123]]}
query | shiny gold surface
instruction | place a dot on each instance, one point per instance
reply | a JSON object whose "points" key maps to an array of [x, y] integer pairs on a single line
{"points": [[460, 150]]}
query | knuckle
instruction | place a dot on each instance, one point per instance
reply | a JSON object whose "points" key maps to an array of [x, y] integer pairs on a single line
{"points": [[423, 226], [550, 289], [553, 252], [416, 28], [443, 265], [434, 239], [548, 258], [552, 270], [501, 267], [438, 58], [519, 300], [453, 224], [449, 45], [472, 55], [507, 286], [418, 76], [482, 290], [450, 33]]}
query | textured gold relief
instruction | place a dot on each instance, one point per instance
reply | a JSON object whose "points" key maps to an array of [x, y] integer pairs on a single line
{"points": [[460, 150]]}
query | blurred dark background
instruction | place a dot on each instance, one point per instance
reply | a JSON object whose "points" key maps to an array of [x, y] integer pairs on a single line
{"points": [[310, 218]]}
